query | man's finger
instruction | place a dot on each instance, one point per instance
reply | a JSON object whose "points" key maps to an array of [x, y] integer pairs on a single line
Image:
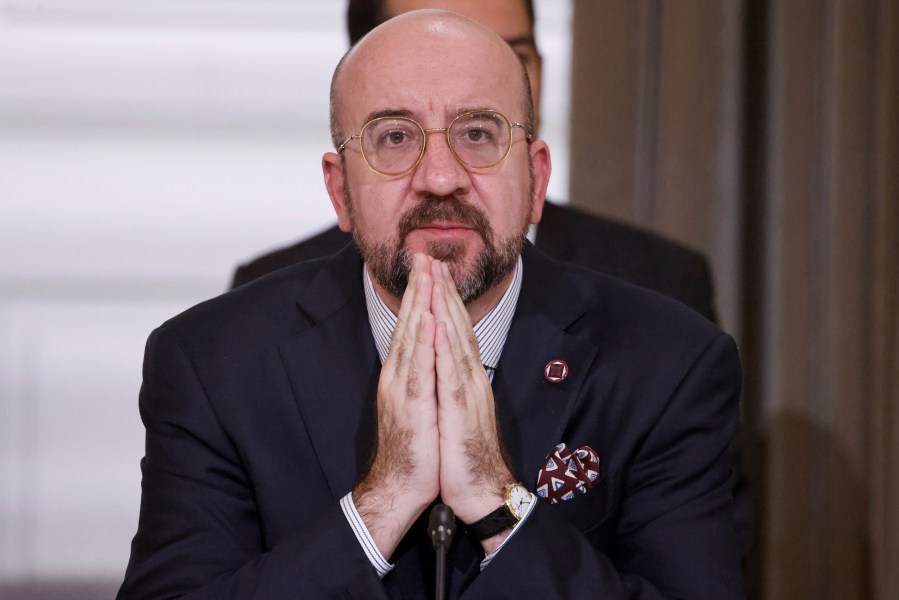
{"points": [[448, 308], [456, 307], [420, 377], [416, 301]]}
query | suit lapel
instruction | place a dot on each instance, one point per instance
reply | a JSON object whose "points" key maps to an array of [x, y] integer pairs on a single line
{"points": [[333, 368], [534, 412]]}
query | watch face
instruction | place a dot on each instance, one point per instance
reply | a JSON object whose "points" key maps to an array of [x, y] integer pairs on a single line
{"points": [[519, 498]]}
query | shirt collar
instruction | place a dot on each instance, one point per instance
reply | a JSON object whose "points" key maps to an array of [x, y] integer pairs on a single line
{"points": [[491, 331]]}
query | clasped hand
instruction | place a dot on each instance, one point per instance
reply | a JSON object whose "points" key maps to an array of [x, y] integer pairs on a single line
{"points": [[436, 429]]}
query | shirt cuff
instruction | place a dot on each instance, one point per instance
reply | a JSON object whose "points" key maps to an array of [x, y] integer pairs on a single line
{"points": [[362, 534], [527, 512]]}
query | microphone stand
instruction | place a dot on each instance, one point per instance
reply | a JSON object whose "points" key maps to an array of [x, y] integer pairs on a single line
{"points": [[441, 527]]}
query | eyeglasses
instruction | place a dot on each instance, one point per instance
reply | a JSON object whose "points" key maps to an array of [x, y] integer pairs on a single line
{"points": [[395, 145]]}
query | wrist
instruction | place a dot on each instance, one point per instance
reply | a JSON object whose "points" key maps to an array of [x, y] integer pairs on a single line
{"points": [[387, 515], [480, 496], [477, 504], [492, 528]]}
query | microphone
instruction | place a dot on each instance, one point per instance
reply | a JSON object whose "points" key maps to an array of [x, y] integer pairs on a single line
{"points": [[441, 527]]}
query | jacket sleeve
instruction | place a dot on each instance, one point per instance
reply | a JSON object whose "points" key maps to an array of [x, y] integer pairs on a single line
{"points": [[199, 535], [674, 536]]}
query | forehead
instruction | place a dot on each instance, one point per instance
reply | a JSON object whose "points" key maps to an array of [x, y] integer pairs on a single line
{"points": [[431, 75]]}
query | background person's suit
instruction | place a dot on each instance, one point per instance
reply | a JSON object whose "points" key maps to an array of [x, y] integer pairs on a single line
{"points": [[634, 255], [259, 409]]}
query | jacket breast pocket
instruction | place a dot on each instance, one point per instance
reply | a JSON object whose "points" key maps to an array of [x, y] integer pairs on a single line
{"points": [[590, 510]]}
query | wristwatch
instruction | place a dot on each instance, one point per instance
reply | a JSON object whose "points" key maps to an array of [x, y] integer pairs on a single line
{"points": [[517, 499]]}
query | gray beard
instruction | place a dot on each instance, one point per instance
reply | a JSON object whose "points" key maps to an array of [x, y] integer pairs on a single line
{"points": [[389, 262]]}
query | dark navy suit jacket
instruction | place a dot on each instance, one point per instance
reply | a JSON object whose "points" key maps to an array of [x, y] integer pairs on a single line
{"points": [[259, 411], [634, 255]]}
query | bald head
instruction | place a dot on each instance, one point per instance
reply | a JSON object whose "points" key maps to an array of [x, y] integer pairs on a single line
{"points": [[418, 55]]}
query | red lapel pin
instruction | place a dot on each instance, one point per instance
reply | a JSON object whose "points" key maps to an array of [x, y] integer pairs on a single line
{"points": [[555, 371]]}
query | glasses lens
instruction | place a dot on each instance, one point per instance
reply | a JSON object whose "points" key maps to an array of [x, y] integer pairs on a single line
{"points": [[392, 145], [481, 139]]}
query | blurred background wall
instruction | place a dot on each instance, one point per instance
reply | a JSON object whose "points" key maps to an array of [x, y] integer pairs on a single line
{"points": [[766, 133], [146, 147]]}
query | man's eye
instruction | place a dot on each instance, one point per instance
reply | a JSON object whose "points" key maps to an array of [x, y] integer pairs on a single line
{"points": [[475, 135], [395, 137]]}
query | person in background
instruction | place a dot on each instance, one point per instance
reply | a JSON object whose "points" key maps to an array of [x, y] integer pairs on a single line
{"points": [[634, 255]]}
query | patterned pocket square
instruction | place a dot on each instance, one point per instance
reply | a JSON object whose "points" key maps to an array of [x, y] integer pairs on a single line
{"points": [[566, 474]]}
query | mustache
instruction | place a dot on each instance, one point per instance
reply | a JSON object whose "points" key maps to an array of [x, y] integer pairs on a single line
{"points": [[444, 208]]}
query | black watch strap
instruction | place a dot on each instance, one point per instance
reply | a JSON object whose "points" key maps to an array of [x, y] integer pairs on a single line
{"points": [[497, 521]]}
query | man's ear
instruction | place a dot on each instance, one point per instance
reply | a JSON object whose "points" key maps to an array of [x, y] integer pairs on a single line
{"points": [[332, 169], [541, 163]]}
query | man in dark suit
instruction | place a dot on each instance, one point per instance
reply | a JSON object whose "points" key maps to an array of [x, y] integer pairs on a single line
{"points": [[594, 242], [299, 427]]}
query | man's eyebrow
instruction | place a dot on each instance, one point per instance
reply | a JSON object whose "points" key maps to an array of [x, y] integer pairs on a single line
{"points": [[389, 112], [405, 112], [477, 109]]}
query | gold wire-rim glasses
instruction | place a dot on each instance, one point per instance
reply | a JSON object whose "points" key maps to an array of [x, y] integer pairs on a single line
{"points": [[424, 140]]}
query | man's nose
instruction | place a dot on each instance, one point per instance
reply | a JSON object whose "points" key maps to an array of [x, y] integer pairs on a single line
{"points": [[439, 173]]}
